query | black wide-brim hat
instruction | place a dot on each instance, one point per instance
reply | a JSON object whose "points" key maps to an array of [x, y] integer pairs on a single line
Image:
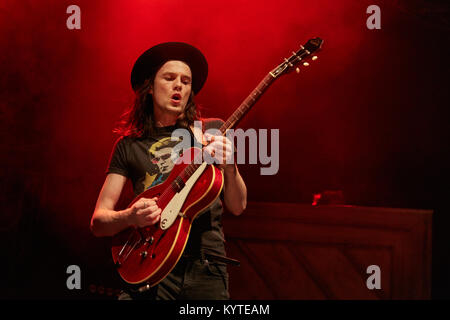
{"points": [[151, 60]]}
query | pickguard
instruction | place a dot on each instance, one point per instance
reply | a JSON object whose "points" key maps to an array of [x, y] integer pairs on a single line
{"points": [[172, 209]]}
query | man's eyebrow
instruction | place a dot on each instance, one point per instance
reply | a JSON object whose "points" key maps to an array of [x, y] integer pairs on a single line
{"points": [[174, 73]]}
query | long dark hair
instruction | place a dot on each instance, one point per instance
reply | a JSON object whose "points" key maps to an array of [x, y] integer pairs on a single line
{"points": [[137, 121]]}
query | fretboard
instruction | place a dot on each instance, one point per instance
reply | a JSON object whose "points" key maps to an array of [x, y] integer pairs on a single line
{"points": [[248, 103]]}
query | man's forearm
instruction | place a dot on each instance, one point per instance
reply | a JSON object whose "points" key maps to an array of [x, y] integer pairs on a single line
{"points": [[235, 191], [106, 222]]}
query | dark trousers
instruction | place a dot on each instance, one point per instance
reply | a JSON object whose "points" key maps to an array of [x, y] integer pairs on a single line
{"points": [[191, 279]]}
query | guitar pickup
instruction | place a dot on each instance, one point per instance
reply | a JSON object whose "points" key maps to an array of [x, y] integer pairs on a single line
{"points": [[179, 183]]}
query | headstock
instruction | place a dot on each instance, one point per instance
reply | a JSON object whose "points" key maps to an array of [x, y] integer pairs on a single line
{"points": [[305, 53]]}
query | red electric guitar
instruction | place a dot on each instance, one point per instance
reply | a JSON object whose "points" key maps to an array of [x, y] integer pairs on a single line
{"points": [[148, 254]]}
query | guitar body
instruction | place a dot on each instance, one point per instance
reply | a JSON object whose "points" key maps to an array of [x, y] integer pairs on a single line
{"points": [[148, 254]]}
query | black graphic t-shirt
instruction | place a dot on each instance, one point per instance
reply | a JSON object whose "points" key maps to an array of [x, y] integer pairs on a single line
{"points": [[148, 162]]}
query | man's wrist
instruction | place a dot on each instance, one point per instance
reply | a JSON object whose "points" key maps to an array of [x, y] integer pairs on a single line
{"points": [[128, 217], [230, 169]]}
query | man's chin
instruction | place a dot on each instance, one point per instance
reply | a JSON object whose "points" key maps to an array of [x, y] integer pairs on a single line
{"points": [[175, 109]]}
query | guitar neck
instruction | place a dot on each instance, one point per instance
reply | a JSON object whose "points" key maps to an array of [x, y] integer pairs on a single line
{"points": [[248, 103], [311, 46]]}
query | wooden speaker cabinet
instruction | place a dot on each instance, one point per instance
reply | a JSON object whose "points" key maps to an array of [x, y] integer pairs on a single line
{"points": [[296, 251]]}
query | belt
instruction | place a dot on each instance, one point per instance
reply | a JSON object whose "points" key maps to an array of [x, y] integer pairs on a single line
{"points": [[205, 257]]}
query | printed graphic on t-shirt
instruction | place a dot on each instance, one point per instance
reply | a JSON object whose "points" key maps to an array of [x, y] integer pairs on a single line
{"points": [[162, 161]]}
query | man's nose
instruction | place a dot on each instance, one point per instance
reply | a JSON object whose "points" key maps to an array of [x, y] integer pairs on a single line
{"points": [[177, 83]]}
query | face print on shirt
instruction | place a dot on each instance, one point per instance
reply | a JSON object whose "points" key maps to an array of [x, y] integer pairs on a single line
{"points": [[162, 161], [162, 158]]}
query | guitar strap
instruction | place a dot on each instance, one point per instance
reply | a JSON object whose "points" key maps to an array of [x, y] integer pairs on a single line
{"points": [[192, 136]]}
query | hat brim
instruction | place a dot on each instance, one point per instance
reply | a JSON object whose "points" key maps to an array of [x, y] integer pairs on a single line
{"points": [[151, 60]]}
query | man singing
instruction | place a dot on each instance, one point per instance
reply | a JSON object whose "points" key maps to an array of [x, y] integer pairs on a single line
{"points": [[165, 79]]}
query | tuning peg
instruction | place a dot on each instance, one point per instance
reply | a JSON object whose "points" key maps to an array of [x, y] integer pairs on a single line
{"points": [[314, 58], [297, 70], [289, 63], [305, 64]]}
